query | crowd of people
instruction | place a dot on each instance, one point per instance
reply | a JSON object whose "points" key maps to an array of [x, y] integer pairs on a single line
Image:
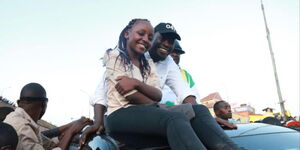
{"points": [[143, 92]]}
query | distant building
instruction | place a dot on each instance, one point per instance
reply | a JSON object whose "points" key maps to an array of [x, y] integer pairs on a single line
{"points": [[256, 117], [210, 100], [248, 112], [240, 118], [244, 110]]}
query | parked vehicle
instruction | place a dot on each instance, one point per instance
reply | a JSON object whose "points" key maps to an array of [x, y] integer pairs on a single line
{"points": [[260, 136], [251, 136]]}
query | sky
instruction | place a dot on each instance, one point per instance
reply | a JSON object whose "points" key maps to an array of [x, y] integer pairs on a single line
{"points": [[58, 43]]}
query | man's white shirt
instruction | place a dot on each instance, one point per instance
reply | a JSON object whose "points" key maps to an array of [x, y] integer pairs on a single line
{"points": [[169, 74]]}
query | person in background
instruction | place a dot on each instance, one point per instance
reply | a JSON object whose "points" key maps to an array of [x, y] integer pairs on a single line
{"points": [[32, 106], [268, 112], [8, 137], [169, 97], [294, 123], [223, 113]]}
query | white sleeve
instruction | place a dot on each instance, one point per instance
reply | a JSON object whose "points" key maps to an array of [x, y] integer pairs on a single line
{"points": [[195, 90], [176, 83], [168, 96], [100, 93]]}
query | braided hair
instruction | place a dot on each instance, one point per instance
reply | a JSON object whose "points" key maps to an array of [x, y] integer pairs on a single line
{"points": [[144, 67]]}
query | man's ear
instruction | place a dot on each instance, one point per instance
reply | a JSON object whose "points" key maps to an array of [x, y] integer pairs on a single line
{"points": [[22, 102], [7, 147]]}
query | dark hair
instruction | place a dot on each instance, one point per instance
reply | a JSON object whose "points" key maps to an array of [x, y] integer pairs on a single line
{"points": [[33, 91], [4, 111], [122, 43], [217, 105], [8, 136]]}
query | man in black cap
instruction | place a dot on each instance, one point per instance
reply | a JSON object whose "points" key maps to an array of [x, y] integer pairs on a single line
{"points": [[163, 45], [32, 106], [177, 52]]}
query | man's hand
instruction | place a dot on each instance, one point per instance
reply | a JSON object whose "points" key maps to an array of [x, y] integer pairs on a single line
{"points": [[226, 123], [75, 127], [126, 84], [231, 125], [79, 124], [97, 128]]}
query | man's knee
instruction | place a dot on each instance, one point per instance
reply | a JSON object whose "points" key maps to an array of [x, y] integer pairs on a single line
{"points": [[200, 109], [175, 116]]}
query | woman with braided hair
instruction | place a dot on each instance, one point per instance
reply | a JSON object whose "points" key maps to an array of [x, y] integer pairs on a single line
{"points": [[133, 92], [127, 68]]}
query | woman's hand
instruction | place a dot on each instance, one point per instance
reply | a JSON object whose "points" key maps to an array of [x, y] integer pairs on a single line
{"points": [[126, 84], [97, 128]]}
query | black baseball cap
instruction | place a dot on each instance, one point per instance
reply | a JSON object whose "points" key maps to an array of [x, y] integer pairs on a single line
{"points": [[166, 28], [177, 48]]}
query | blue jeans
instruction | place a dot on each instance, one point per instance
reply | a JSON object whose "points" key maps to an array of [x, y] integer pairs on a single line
{"points": [[200, 133]]}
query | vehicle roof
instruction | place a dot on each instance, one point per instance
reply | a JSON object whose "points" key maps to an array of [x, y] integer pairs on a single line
{"points": [[257, 129]]}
